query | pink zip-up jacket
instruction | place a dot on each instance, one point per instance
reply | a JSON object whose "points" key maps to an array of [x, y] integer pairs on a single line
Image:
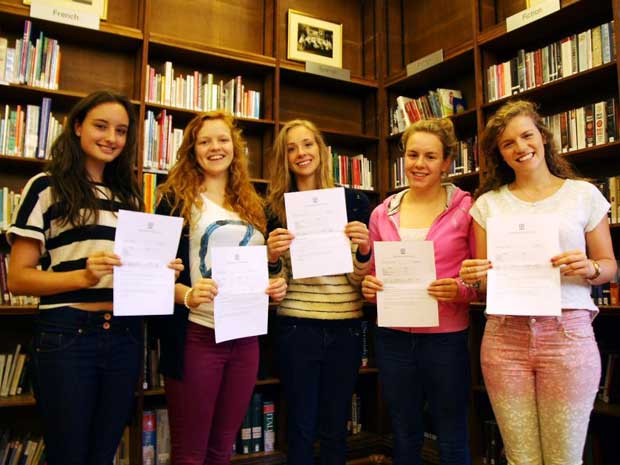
{"points": [[453, 238]]}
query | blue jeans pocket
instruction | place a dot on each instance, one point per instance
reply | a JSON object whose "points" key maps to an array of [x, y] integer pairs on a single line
{"points": [[52, 341]]}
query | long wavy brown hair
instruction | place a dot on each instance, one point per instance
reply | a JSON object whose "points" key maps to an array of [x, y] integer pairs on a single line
{"points": [[72, 190], [281, 179], [498, 171], [186, 177]]}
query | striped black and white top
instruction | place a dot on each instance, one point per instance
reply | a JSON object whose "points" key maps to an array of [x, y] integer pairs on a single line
{"points": [[63, 246]]}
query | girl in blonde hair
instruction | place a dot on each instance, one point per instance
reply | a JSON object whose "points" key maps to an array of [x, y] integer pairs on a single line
{"points": [[208, 385], [319, 320]]}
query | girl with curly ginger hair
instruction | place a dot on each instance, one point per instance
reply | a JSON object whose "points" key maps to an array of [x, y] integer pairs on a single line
{"points": [[541, 372], [208, 385]]}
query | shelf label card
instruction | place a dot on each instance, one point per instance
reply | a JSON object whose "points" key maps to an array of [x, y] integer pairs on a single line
{"points": [[63, 12], [425, 62], [328, 71], [532, 14]]}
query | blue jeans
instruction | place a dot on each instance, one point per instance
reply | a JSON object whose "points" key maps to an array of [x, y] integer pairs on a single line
{"points": [[85, 377], [319, 363], [432, 367]]}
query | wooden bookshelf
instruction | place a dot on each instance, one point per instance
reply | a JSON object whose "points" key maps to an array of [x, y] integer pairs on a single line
{"points": [[381, 37], [22, 400], [141, 33]]}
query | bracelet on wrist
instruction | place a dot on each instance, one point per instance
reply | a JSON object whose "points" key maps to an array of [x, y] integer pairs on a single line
{"points": [[597, 270], [186, 298]]}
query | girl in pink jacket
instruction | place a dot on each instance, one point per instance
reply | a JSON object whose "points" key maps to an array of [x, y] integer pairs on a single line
{"points": [[418, 365]]}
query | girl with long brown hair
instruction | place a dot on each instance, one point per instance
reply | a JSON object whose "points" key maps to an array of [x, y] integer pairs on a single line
{"points": [[86, 362], [541, 373]]}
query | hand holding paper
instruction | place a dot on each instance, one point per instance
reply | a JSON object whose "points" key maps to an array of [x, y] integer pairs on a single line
{"points": [[147, 245]]}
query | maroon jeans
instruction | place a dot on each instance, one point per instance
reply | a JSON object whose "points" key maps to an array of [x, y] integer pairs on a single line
{"points": [[206, 408]]}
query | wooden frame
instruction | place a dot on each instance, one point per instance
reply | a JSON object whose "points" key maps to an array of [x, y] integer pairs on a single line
{"points": [[313, 39], [93, 6]]}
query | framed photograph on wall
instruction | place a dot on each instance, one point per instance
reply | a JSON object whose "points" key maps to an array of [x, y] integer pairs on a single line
{"points": [[94, 6], [313, 39]]}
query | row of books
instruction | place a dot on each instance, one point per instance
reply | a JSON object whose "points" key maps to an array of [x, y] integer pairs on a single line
{"points": [[9, 201], [609, 390], [21, 450], [466, 159], [573, 54], [606, 294], [352, 171], [161, 141], [465, 162], [436, 104], [6, 297], [587, 126], [610, 188], [14, 379], [35, 64], [28, 131], [155, 438], [201, 92], [257, 433]]}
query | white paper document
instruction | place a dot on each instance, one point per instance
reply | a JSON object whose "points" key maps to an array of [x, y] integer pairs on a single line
{"points": [[317, 218], [523, 281], [241, 306], [146, 244], [406, 269]]}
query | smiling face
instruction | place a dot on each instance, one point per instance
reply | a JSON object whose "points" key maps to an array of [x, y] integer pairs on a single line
{"points": [[302, 151], [214, 148], [424, 160], [103, 135], [522, 145]]}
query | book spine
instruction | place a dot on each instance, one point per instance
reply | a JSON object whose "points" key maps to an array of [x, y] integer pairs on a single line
{"points": [[149, 437], [257, 422], [269, 428]]}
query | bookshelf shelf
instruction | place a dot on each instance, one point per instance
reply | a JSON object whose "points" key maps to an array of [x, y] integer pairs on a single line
{"points": [[19, 310], [171, 47], [267, 458], [456, 61], [22, 400], [187, 114], [602, 408], [599, 79], [574, 13], [342, 137], [36, 163], [117, 37], [295, 73]]}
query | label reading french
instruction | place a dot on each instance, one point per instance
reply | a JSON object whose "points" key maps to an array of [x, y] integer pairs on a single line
{"points": [[63, 13]]}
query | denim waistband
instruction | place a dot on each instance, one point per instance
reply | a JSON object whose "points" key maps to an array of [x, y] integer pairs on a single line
{"points": [[316, 322], [71, 318]]}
